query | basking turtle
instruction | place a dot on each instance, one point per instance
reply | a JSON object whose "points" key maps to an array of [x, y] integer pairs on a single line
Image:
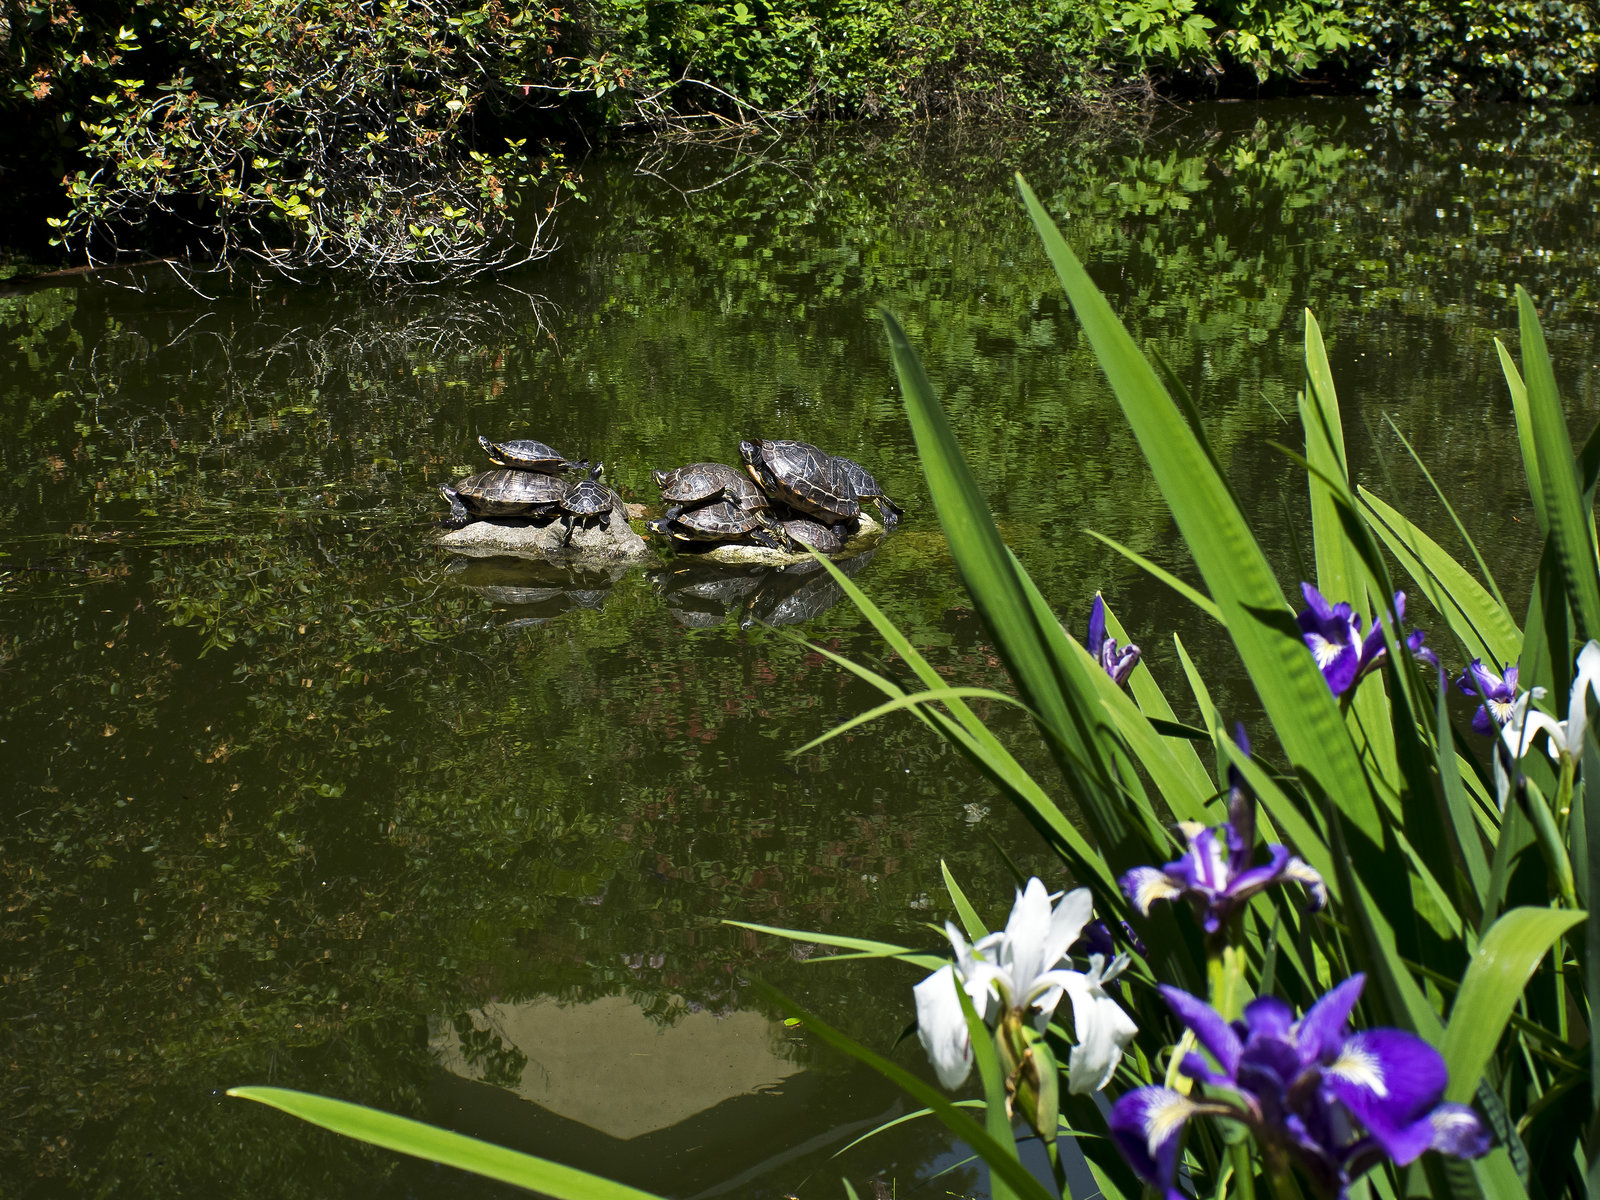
{"points": [[502, 493], [704, 481], [868, 488], [525, 454], [824, 539], [588, 500], [723, 521], [805, 478]]}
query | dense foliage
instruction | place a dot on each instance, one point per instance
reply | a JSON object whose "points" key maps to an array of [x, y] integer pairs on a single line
{"points": [[395, 142]]}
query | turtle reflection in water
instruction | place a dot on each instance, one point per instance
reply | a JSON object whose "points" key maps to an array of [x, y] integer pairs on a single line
{"points": [[528, 592], [788, 598], [503, 493], [700, 595]]}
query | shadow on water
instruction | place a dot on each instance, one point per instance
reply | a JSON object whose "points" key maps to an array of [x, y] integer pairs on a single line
{"points": [[291, 797]]}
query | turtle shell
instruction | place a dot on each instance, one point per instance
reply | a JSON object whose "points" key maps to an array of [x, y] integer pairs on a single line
{"points": [[525, 454], [502, 492], [589, 497], [709, 480], [807, 479], [720, 521], [824, 539], [868, 488]]}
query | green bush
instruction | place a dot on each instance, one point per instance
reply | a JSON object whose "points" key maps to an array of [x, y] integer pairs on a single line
{"points": [[320, 136], [1450, 50]]}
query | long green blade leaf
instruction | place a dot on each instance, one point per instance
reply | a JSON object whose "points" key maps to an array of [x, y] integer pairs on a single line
{"points": [[1499, 971], [1558, 474], [1237, 574], [441, 1145]]}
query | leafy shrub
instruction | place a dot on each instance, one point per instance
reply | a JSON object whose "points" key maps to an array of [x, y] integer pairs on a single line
{"points": [[359, 138], [1448, 50]]}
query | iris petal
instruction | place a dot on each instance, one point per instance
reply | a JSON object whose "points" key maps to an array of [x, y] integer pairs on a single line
{"points": [[1147, 1126], [942, 1027], [1391, 1081], [1215, 1034], [1321, 1031]]}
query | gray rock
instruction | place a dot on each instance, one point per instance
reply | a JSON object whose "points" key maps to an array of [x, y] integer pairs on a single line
{"points": [[591, 544]]}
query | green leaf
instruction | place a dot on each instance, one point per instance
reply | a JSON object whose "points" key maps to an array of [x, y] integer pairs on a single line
{"points": [[1495, 978], [1475, 617], [970, 921], [910, 700], [864, 947], [1001, 1155], [441, 1145], [1236, 572], [1558, 481], [1192, 595], [1020, 632]]}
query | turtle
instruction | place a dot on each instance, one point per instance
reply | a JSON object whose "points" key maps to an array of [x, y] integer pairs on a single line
{"points": [[807, 479], [703, 481], [525, 454], [824, 539], [502, 493], [588, 500], [723, 521], [868, 488]]}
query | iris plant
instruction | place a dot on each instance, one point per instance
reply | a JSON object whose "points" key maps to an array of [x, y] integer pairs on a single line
{"points": [[1015, 977], [1333, 634], [1316, 1096], [1118, 664], [1499, 693], [1563, 739], [1217, 873]]}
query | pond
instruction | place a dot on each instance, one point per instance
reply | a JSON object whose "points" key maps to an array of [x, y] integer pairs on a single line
{"points": [[293, 797]]}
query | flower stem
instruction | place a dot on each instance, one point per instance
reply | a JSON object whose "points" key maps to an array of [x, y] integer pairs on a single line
{"points": [[1550, 840], [1244, 1175]]}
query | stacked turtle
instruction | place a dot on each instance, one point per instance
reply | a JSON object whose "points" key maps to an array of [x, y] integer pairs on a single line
{"points": [[529, 482], [791, 493]]}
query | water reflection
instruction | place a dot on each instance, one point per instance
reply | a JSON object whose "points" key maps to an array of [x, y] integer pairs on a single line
{"points": [[526, 592], [703, 594]]}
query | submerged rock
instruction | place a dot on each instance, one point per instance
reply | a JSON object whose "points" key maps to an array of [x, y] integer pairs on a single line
{"points": [[543, 539]]}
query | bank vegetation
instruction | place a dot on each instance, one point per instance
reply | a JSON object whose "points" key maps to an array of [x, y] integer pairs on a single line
{"points": [[431, 141]]}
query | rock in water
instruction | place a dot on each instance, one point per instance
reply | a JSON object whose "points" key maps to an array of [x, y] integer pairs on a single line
{"points": [[617, 543]]}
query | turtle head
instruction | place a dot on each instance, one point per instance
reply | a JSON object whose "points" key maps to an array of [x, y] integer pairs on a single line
{"points": [[660, 477], [489, 448], [597, 470], [750, 451]]}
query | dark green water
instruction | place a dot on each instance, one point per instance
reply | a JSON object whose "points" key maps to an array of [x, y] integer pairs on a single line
{"points": [[291, 798]]}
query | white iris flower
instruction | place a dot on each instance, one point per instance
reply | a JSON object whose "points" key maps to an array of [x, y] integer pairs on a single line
{"points": [[1018, 970]]}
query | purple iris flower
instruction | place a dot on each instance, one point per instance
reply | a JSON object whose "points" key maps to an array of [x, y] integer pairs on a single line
{"points": [[1332, 632], [1499, 694], [1118, 664], [1333, 1102], [1216, 874]]}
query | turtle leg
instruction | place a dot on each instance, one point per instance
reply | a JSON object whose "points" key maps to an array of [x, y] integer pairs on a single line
{"points": [[459, 515], [891, 511], [674, 512], [566, 523]]}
